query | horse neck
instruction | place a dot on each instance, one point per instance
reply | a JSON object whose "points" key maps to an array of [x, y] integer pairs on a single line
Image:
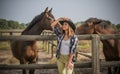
{"points": [[111, 49], [110, 43], [35, 30]]}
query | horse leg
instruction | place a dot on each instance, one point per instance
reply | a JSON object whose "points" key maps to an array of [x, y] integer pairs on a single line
{"points": [[24, 70], [117, 70], [34, 61], [31, 71], [109, 70]]}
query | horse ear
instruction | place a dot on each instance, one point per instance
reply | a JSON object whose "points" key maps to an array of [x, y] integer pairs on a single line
{"points": [[50, 10], [97, 22], [90, 23], [46, 10]]}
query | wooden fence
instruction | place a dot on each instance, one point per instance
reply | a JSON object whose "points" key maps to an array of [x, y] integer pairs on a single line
{"points": [[12, 32], [95, 64]]}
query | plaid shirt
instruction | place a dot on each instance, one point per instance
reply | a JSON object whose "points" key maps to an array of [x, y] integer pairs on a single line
{"points": [[73, 43]]}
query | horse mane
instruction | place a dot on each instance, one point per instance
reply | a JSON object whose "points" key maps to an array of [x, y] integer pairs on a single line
{"points": [[103, 23], [35, 20], [94, 20], [106, 24]]}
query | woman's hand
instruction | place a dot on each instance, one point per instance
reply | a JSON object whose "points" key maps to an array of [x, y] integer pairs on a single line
{"points": [[63, 18], [57, 21], [60, 19], [70, 65]]}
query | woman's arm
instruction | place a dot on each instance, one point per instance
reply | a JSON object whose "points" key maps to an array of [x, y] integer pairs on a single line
{"points": [[56, 22], [70, 64], [72, 54], [56, 29]]}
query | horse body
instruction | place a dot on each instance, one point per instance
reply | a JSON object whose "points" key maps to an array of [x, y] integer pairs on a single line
{"points": [[27, 51], [111, 48]]}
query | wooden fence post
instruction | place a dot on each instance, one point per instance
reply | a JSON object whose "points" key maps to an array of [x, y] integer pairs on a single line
{"points": [[48, 47], [46, 43], [52, 51], [11, 33], [0, 33], [95, 55], [43, 40]]}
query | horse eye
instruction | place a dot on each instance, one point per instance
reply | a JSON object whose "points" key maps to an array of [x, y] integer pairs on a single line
{"points": [[49, 18]]}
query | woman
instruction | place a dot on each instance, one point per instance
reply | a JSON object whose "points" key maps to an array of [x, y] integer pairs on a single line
{"points": [[67, 41]]}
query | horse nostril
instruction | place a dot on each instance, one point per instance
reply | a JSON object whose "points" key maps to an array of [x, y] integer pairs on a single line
{"points": [[53, 19]]}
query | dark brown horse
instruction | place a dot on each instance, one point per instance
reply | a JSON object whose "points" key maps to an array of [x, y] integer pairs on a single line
{"points": [[27, 51], [111, 48]]}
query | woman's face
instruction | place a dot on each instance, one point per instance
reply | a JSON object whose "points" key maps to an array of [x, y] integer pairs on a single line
{"points": [[65, 26]]}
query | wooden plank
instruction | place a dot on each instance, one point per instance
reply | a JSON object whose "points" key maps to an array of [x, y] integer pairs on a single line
{"points": [[95, 55], [110, 63], [110, 36], [53, 37], [54, 66], [41, 66], [28, 37], [52, 51], [52, 43], [84, 54], [13, 31], [84, 37], [37, 37]]}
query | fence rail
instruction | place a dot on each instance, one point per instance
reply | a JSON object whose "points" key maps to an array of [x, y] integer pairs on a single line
{"points": [[54, 66], [11, 32], [54, 37], [95, 64]]}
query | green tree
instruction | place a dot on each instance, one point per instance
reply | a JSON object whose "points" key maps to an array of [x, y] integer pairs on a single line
{"points": [[22, 26], [118, 26], [78, 23], [3, 24], [13, 24]]}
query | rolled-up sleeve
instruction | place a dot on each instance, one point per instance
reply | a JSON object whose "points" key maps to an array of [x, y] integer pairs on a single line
{"points": [[73, 47], [57, 31]]}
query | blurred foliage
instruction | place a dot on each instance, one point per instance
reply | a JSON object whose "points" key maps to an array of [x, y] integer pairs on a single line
{"points": [[10, 24], [118, 26], [78, 23]]}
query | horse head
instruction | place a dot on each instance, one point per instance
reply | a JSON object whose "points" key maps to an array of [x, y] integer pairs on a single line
{"points": [[95, 26], [104, 27], [40, 22], [48, 18]]}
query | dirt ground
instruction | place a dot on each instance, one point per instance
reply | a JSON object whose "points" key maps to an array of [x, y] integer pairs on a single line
{"points": [[44, 58]]}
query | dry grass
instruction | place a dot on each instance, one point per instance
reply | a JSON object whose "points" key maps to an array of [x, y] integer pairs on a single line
{"points": [[4, 45], [83, 45]]}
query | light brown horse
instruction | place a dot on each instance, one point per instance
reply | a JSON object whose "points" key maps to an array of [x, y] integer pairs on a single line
{"points": [[27, 51], [111, 48]]}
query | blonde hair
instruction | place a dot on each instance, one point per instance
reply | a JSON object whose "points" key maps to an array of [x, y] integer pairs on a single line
{"points": [[70, 32]]}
